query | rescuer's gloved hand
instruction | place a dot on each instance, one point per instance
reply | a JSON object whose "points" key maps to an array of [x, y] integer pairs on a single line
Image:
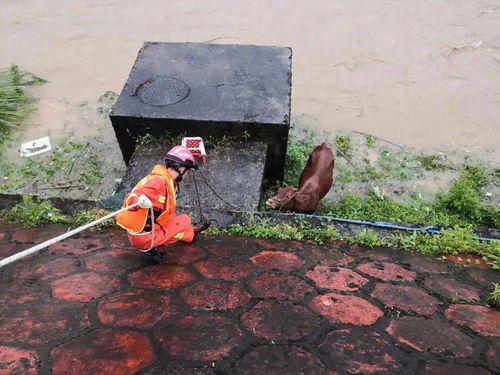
{"points": [[144, 202]]}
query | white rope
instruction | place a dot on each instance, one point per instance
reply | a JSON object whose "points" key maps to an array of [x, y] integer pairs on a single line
{"points": [[151, 210], [52, 241]]}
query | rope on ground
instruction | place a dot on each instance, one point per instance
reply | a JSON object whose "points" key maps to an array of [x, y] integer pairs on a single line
{"points": [[198, 198], [217, 195]]}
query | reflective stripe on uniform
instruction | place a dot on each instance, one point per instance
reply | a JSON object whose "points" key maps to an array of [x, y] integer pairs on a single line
{"points": [[162, 199], [179, 235], [142, 182]]}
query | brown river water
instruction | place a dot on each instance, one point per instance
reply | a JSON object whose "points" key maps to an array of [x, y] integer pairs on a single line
{"points": [[421, 73]]}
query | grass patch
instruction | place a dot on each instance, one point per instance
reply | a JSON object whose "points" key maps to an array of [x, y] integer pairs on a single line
{"points": [[368, 238], [55, 169], [297, 154], [263, 228], [33, 212], [456, 240], [375, 207], [15, 102], [460, 205]]}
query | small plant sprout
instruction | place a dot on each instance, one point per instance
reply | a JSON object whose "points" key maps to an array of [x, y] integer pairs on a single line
{"points": [[343, 143], [494, 297]]}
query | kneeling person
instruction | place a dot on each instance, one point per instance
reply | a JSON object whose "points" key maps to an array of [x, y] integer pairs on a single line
{"points": [[158, 190]]}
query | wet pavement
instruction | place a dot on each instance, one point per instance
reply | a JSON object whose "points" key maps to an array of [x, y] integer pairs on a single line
{"points": [[93, 305]]}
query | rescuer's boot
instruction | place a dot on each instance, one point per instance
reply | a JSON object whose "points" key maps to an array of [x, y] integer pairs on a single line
{"points": [[154, 256], [200, 227]]}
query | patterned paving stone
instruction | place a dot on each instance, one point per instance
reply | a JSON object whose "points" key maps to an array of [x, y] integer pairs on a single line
{"points": [[177, 369], [279, 321], [37, 323], [8, 249], [161, 277], [493, 354], [43, 269], [483, 277], [439, 368], [276, 244], [338, 308], [113, 261], [451, 288], [17, 361], [126, 353], [183, 254], [330, 257], [39, 234], [16, 292], [373, 254], [281, 287], [76, 246], [138, 308], [279, 360], [119, 240], [362, 352], [210, 309], [200, 338], [225, 269], [423, 264], [406, 298], [431, 335], [481, 319], [215, 296], [336, 278], [387, 271], [277, 261], [224, 247], [84, 286]]}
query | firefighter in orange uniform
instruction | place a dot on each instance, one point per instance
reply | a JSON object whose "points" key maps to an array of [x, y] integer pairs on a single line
{"points": [[158, 190]]}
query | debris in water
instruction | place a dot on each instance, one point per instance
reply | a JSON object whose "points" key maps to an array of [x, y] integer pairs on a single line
{"points": [[35, 147]]}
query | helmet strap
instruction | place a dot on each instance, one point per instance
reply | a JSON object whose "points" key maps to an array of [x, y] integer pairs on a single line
{"points": [[175, 166]]}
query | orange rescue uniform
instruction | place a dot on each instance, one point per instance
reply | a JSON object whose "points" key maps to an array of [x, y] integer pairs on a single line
{"points": [[160, 188]]}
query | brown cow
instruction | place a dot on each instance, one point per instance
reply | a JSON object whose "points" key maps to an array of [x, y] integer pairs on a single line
{"points": [[314, 183]]}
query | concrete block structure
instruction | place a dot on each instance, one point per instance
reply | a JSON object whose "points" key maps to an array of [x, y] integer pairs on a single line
{"points": [[208, 90]]}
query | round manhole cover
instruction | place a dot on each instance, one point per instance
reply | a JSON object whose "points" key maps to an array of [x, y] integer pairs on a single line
{"points": [[162, 91]]}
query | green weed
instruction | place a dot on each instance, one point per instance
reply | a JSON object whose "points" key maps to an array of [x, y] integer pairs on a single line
{"points": [[370, 141], [343, 143], [494, 297], [368, 238], [84, 217], [262, 228], [460, 205], [375, 207], [431, 162], [459, 239], [33, 212], [297, 154], [463, 198]]}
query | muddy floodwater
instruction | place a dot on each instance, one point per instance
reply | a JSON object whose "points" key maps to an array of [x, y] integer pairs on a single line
{"points": [[421, 73]]}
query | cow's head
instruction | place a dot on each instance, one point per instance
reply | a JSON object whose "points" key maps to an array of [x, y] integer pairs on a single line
{"points": [[283, 196]]}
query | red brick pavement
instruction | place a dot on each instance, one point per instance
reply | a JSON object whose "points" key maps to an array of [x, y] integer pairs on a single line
{"points": [[232, 305]]}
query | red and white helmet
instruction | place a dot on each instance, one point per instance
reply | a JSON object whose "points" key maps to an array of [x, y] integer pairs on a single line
{"points": [[181, 156]]}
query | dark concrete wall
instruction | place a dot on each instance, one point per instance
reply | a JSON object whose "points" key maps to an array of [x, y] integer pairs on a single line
{"points": [[231, 89]]}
